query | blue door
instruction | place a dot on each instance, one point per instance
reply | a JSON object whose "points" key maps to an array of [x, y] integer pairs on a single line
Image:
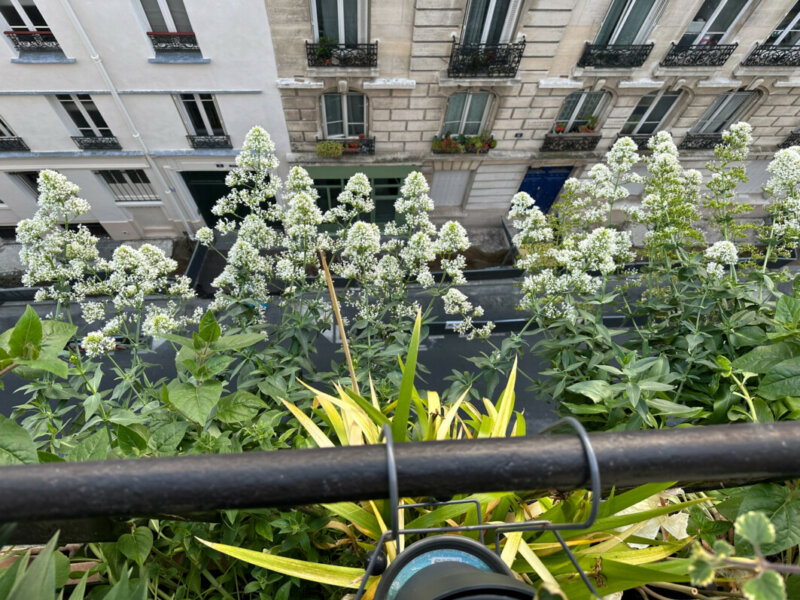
{"points": [[544, 184]]}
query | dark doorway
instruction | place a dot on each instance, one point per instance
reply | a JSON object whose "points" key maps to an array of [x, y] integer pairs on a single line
{"points": [[206, 188], [544, 184]]}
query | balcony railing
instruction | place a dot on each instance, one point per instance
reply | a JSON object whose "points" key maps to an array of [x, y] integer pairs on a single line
{"points": [[614, 56], [33, 41], [700, 141], [359, 145], [773, 56], [210, 141], [485, 60], [13, 144], [96, 143], [322, 54], [698, 55], [570, 142], [174, 41], [793, 139]]}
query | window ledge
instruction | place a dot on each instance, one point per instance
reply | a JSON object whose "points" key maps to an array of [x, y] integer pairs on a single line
{"points": [[773, 71], [342, 72], [179, 57], [289, 83], [445, 81], [42, 58]]}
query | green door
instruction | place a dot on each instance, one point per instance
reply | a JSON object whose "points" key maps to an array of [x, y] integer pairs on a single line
{"points": [[206, 188]]}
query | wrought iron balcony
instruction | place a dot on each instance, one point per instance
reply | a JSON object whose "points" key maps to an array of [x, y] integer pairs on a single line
{"points": [[793, 139], [96, 143], [359, 145], [700, 141], [13, 144], [570, 142], [210, 141], [33, 41], [614, 56], [485, 60], [764, 55], [174, 41], [698, 55], [323, 54]]}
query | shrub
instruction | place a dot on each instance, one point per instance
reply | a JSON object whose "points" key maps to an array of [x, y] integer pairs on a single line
{"points": [[329, 149]]}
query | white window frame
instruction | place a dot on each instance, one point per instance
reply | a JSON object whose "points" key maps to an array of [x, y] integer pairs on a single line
{"points": [[362, 16], [509, 24], [652, 106], [82, 109], [713, 18], [148, 199], [577, 110], [5, 130], [25, 18], [166, 13], [345, 117], [706, 119], [644, 30], [187, 121], [790, 27], [465, 111]]}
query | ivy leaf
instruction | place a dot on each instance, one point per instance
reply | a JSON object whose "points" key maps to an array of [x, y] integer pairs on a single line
{"points": [[137, 545], [26, 338], [767, 586], [755, 528], [16, 444], [195, 402]]}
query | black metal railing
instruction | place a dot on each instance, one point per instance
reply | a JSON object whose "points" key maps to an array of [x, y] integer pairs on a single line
{"points": [[210, 141], [359, 145], [614, 56], [793, 139], [13, 144], [324, 54], [700, 141], [173, 41], [773, 56], [698, 55], [33, 41], [485, 60], [96, 143], [570, 142]]}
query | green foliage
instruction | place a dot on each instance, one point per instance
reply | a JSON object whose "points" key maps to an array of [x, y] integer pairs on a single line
{"points": [[329, 149]]}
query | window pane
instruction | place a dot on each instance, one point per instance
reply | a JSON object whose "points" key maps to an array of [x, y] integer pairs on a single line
{"points": [[179, 15], [699, 22], [724, 111], [611, 21], [76, 115], [34, 15], [154, 16], [726, 17], [328, 19], [570, 102], [356, 122], [333, 115], [477, 108], [193, 112], [497, 22], [659, 111], [5, 130], [633, 23], [94, 114], [788, 32], [638, 113], [212, 115], [455, 110], [473, 28], [350, 22]]}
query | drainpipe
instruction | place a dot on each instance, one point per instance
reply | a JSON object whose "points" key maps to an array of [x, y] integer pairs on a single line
{"points": [[131, 124]]}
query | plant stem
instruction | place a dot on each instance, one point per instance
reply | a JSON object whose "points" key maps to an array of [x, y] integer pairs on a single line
{"points": [[8, 368]]}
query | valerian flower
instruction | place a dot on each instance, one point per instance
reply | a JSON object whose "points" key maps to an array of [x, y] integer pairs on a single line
{"points": [[96, 343]]}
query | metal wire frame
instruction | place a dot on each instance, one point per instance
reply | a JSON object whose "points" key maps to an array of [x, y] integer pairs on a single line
{"points": [[533, 525]]}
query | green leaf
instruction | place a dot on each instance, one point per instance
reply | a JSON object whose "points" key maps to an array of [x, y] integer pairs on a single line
{"points": [[701, 572], [239, 407], [752, 335], [79, 591], [39, 580], [46, 363], [724, 365], [505, 406], [403, 408], [763, 358], [781, 507], [585, 409], [787, 312], [767, 586], [195, 402], [130, 442], [55, 335], [26, 338], [209, 329], [166, 438], [755, 528], [136, 546], [782, 380], [16, 444], [237, 342], [596, 390], [10, 576], [95, 447]]}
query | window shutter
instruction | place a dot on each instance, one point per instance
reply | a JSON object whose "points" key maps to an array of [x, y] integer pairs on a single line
{"points": [[511, 20]]}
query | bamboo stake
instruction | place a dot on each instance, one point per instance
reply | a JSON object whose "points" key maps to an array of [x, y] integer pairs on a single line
{"points": [[339, 322]]}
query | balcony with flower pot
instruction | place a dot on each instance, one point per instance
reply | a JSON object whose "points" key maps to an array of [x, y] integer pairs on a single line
{"points": [[336, 148], [331, 54], [463, 144], [485, 60], [575, 138]]}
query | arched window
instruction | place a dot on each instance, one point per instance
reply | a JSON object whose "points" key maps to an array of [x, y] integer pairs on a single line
{"points": [[467, 113], [580, 110], [726, 110], [344, 115], [650, 113]]}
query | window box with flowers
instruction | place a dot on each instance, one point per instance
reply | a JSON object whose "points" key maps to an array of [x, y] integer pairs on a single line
{"points": [[461, 144]]}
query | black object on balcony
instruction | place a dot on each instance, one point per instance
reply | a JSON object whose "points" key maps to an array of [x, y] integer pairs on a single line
{"points": [[570, 142], [698, 55], [33, 41], [350, 146], [96, 143], [485, 60], [210, 141], [773, 56], [700, 141], [793, 139], [174, 41], [13, 144], [614, 56], [326, 54]]}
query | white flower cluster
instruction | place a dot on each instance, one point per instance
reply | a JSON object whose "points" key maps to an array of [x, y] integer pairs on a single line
{"points": [[784, 186], [457, 303], [205, 235], [735, 142], [719, 256], [96, 343]]}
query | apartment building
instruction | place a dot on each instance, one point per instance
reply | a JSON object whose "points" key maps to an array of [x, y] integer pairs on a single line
{"points": [[142, 103], [553, 83]]}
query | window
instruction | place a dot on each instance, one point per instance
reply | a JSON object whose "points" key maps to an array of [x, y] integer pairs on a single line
{"points": [[385, 190], [84, 114], [22, 15], [167, 15], [490, 21], [200, 114], [29, 180], [726, 110], [340, 21], [788, 32], [344, 115], [651, 111], [5, 130], [466, 113], [580, 110], [713, 21], [131, 185], [628, 22]]}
